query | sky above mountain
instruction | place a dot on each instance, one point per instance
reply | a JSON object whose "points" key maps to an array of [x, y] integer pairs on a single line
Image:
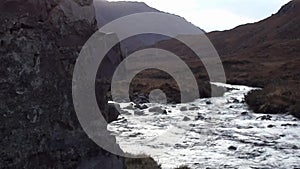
{"points": [[212, 15]]}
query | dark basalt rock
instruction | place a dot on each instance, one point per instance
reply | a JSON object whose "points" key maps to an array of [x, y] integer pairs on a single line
{"points": [[113, 112], [142, 107], [40, 41], [244, 113], [232, 148], [200, 117], [271, 126], [165, 112], [265, 117], [208, 102]]}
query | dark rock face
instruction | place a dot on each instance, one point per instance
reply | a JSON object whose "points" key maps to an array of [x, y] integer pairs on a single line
{"points": [[40, 41]]}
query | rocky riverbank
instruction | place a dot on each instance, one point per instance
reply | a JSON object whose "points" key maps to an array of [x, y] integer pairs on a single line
{"points": [[276, 99]]}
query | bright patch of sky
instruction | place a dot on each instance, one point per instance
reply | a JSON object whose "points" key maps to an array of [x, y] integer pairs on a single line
{"points": [[220, 15]]}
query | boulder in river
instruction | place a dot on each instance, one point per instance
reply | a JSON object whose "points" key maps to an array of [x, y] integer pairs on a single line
{"points": [[156, 109], [208, 102], [183, 108], [113, 112], [142, 107], [186, 118], [271, 126], [138, 112], [165, 112], [265, 117], [244, 113], [200, 117], [232, 148]]}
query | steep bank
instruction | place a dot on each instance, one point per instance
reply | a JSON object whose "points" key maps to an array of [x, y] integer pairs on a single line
{"points": [[40, 41], [265, 54]]}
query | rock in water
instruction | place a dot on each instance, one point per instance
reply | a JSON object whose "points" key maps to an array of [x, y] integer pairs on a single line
{"points": [[156, 109], [165, 112], [183, 109], [113, 112], [186, 119], [244, 113], [142, 107], [138, 112], [232, 148]]}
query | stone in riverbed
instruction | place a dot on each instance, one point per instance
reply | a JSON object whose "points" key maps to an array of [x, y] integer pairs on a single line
{"points": [[156, 109], [244, 113], [200, 117], [265, 117], [142, 107], [232, 148], [208, 102], [271, 126], [165, 112], [138, 112], [186, 119], [183, 109], [289, 125]]}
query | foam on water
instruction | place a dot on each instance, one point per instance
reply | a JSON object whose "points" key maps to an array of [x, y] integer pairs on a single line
{"points": [[217, 132]]}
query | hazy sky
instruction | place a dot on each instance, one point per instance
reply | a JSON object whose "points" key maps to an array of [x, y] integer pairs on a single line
{"points": [[218, 14]]}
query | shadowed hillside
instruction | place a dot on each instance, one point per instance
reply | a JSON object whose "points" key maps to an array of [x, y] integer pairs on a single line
{"points": [[265, 54]]}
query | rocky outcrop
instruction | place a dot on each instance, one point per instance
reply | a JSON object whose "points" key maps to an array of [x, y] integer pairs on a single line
{"points": [[40, 41], [275, 99]]}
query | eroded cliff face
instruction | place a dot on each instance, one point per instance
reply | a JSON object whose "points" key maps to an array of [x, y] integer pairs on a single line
{"points": [[40, 41]]}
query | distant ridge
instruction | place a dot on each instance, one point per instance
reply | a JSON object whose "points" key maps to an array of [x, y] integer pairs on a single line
{"points": [[109, 11]]}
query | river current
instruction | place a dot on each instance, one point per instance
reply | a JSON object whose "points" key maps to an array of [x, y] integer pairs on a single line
{"points": [[219, 132]]}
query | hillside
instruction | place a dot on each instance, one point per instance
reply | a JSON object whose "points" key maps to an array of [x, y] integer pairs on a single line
{"points": [[262, 52], [265, 54], [109, 11]]}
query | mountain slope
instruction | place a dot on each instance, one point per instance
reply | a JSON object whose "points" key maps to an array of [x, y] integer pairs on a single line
{"points": [[265, 54], [267, 49], [109, 11]]}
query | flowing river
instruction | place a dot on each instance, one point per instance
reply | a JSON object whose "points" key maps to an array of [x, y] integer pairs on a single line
{"points": [[218, 132]]}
